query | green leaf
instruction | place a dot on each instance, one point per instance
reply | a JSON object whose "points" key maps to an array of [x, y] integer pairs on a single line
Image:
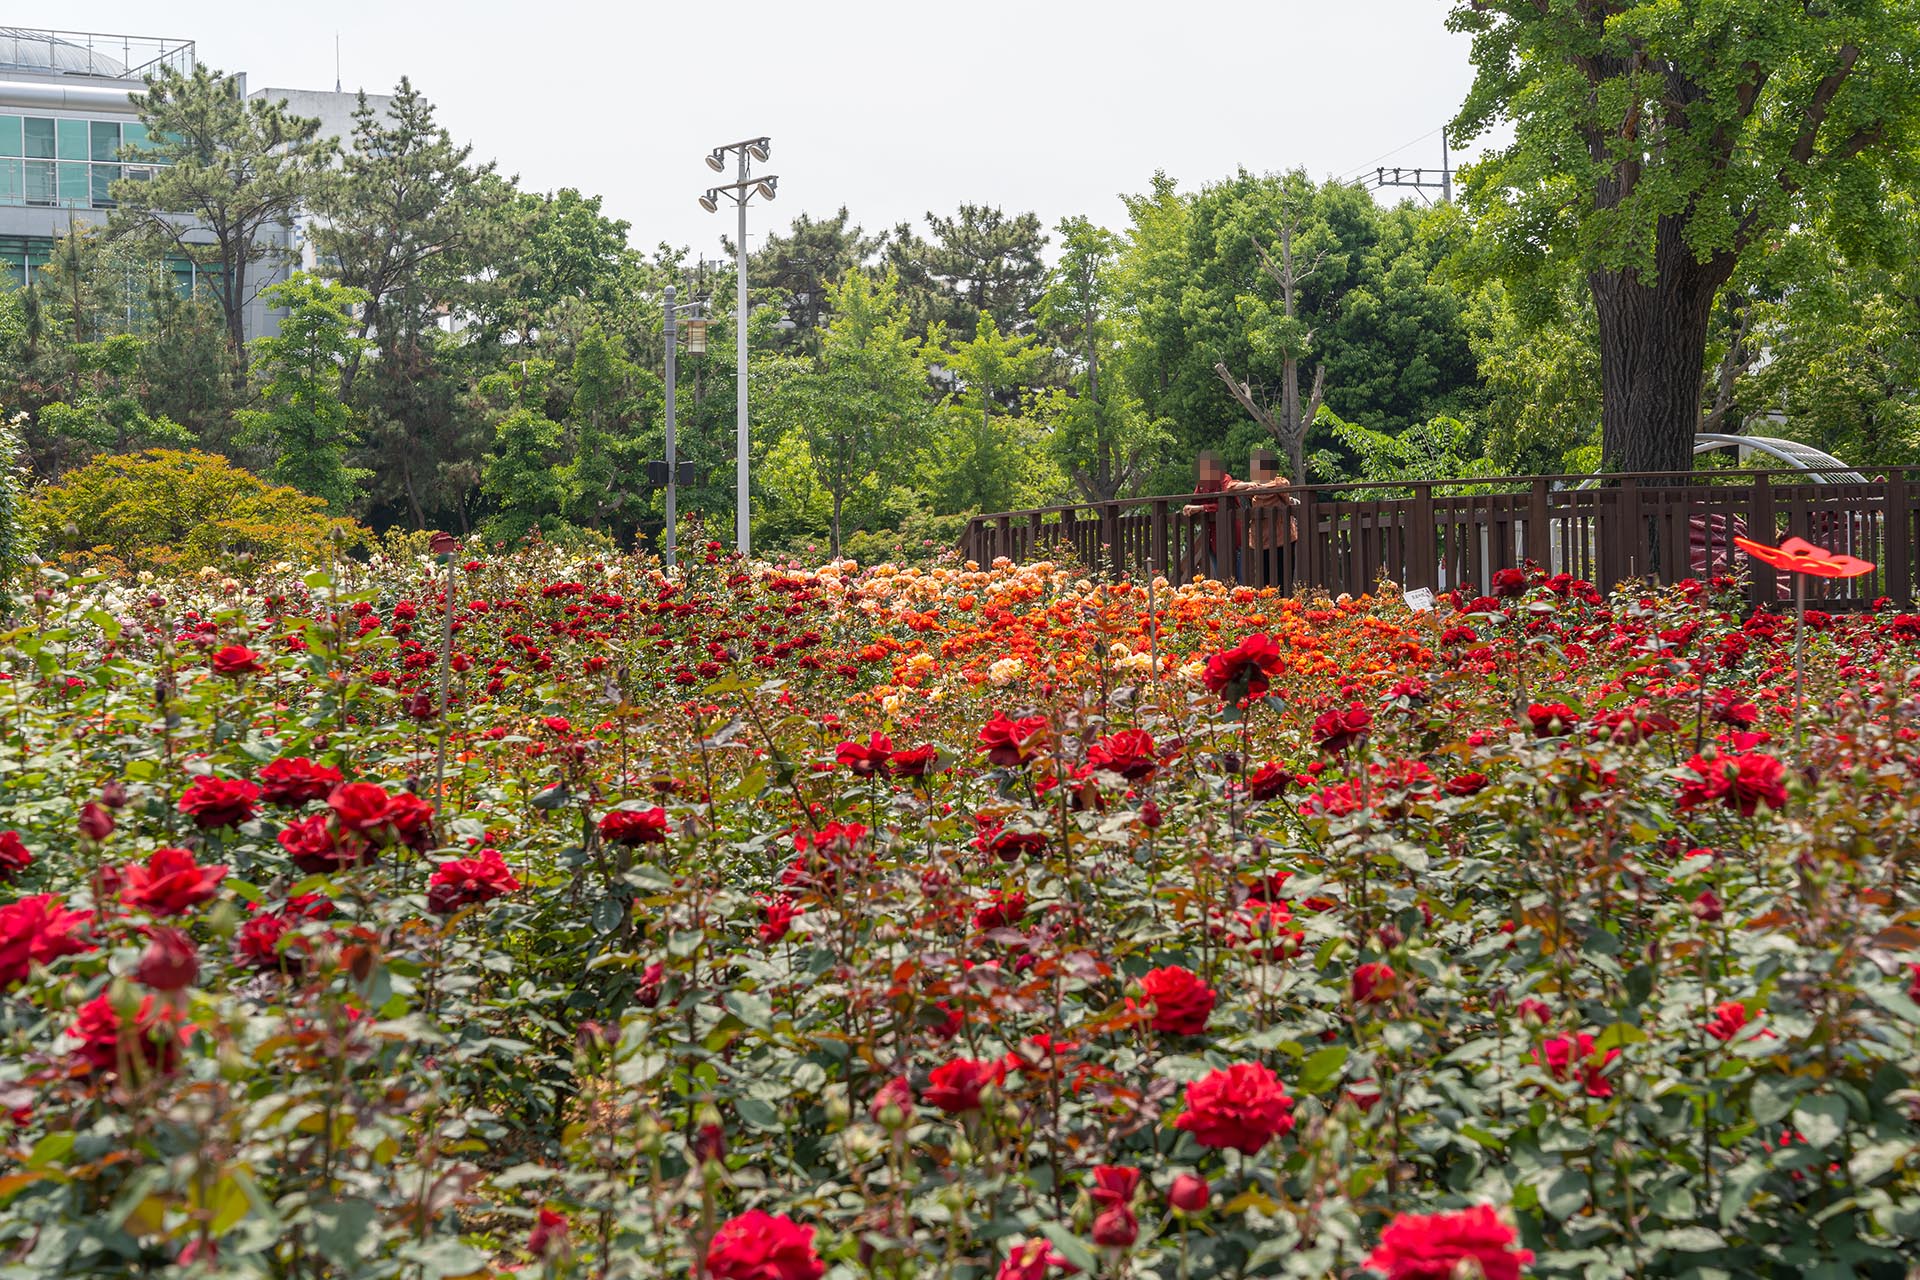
{"points": [[1772, 1099], [1687, 1239], [1322, 1068], [51, 1149], [1564, 1194], [1821, 1120], [1071, 1247], [751, 1008], [341, 1228]]}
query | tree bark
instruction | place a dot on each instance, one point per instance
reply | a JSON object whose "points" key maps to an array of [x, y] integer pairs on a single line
{"points": [[1653, 351]]}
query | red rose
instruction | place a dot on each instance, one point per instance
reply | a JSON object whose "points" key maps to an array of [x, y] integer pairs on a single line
{"points": [[1002, 909], [1552, 719], [777, 914], [1434, 1246], [1242, 671], [1730, 1019], [914, 762], [1128, 753], [1243, 1106], [219, 802], [107, 1044], [636, 826], [318, 847], [1010, 743], [237, 660], [1189, 1193], [1741, 782], [39, 930], [170, 883], [1466, 784], [549, 1234], [169, 962], [1373, 983], [1508, 583], [652, 981], [296, 781], [14, 857], [463, 881], [1269, 780], [993, 836], [955, 1086], [761, 1246], [1115, 1228], [411, 820], [868, 759], [359, 807], [1030, 1260], [1335, 731], [1568, 1056], [1182, 1003], [264, 942]]}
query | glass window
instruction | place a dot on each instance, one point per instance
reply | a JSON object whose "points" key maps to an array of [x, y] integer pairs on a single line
{"points": [[104, 176], [39, 137], [11, 192], [106, 140], [9, 135], [134, 134], [39, 181], [76, 187], [73, 140]]}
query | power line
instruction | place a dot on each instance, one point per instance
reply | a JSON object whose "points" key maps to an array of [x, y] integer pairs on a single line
{"points": [[1357, 170]]}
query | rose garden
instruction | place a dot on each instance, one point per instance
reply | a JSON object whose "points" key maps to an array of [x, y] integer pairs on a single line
{"points": [[441, 917]]}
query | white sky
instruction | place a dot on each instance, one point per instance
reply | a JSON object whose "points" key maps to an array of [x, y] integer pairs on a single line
{"points": [[891, 107]]}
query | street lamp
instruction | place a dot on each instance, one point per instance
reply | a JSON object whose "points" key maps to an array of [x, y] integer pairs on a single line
{"points": [[745, 151]]}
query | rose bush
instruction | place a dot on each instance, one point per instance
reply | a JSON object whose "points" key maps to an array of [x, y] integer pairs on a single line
{"points": [[776, 923]]}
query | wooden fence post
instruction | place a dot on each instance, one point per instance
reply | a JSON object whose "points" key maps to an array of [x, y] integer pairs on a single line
{"points": [[1539, 545], [1423, 548], [1110, 534], [1898, 526], [1760, 527], [1307, 547], [1157, 539]]}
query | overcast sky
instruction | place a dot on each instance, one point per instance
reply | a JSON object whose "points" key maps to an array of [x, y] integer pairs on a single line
{"points": [[890, 107]]}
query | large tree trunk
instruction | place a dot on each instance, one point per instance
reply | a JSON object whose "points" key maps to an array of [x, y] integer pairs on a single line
{"points": [[1653, 351]]}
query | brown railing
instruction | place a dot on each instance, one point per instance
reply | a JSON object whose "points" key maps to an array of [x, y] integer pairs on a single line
{"points": [[1656, 526]]}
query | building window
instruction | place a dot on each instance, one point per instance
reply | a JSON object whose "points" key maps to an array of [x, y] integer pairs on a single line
{"points": [[9, 135], [39, 135], [76, 186], [39, 182], [73, 140], [12, 192]]}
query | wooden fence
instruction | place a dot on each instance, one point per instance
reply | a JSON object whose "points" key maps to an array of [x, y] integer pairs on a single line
{"points": [[1656, 526]]}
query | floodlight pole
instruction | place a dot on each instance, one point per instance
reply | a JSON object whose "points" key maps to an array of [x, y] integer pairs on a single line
{"points": [[742, 533], [673, 461]]}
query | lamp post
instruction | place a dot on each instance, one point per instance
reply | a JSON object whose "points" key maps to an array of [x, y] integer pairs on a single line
{"points": [[696, 345], [746, 151]]}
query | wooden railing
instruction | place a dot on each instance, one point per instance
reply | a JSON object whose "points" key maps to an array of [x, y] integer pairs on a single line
{"points": [[1657, 526]]}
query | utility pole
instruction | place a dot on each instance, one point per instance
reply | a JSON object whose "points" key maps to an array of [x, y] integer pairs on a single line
{"points": [[673, 459], [1428, 179]]}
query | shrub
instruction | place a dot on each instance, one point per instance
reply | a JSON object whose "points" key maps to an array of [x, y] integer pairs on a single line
{"points": [[168, 509]]}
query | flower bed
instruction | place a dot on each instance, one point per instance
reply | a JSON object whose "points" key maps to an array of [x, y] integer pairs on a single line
{"points": [[951, 923]]}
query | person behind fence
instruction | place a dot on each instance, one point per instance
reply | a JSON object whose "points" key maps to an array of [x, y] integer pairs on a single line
{"points": [[1213, 477], [1271, 527]]}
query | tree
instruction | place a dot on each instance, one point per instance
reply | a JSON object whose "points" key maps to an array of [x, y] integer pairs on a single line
{"points": [[805, 261], [609, 454], [1296, 252], [860, 405], [978, 260], [407, 219], [102, 410], [977, 462], [1657, 143], [523, 476], [226, 168], [305, 425]]}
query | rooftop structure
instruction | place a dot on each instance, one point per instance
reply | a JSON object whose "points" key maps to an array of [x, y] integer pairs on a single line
{"points": [[95, 54]]}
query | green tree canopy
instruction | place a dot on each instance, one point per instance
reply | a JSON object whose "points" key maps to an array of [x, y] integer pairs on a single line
{"points": [[304, 424]]}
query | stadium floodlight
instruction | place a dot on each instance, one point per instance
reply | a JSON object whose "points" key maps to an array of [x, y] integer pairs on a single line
{"points": [[745, 152]]}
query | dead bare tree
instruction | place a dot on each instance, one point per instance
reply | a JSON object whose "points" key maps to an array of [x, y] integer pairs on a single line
{"points": [[1289, 423]]}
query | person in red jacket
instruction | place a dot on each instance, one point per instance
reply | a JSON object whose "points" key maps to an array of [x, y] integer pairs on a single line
{"points": [[1214, 478]]}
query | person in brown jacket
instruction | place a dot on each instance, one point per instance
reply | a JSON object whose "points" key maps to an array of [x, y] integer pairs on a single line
{"points": [[1271, 528]]}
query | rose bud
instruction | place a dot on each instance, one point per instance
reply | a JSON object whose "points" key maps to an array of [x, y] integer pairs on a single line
{"points": [[114, 794], [96, 824], [169, 962], [1707, 907], [892, 1107], [1189, 1193]]}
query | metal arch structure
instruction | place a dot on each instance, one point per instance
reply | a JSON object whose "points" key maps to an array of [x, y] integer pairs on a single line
{"points": [[1821, 468]]}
